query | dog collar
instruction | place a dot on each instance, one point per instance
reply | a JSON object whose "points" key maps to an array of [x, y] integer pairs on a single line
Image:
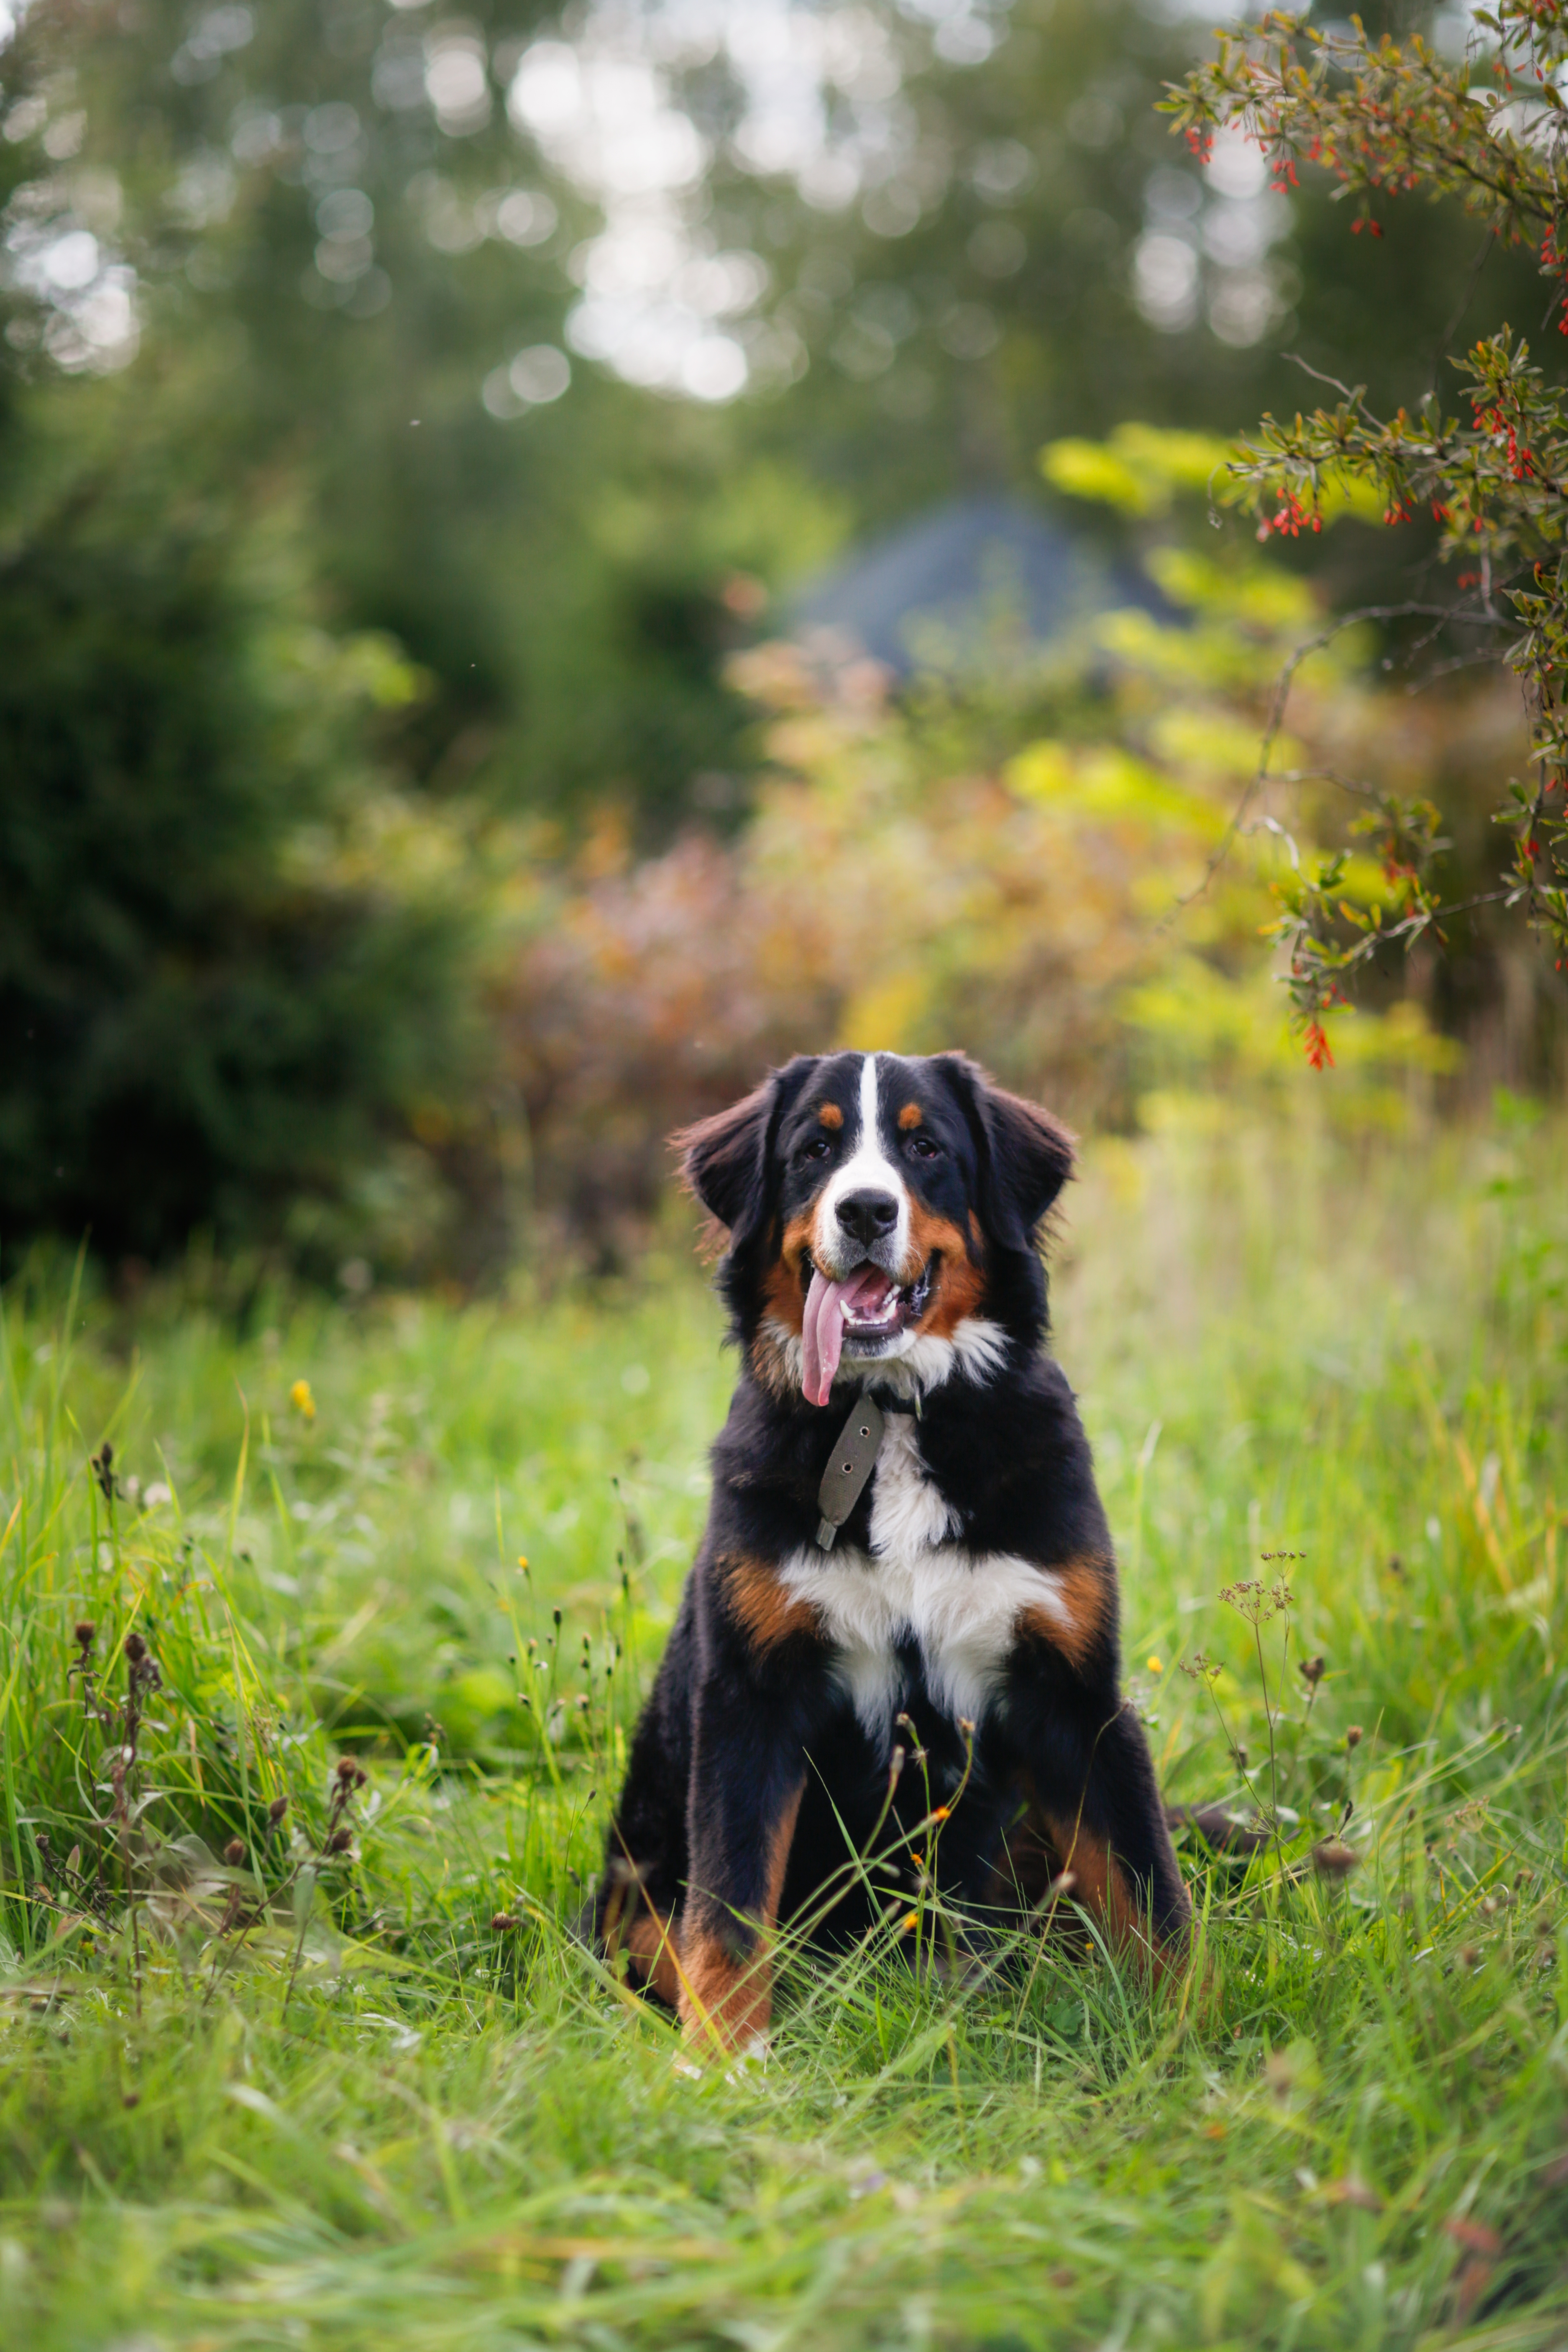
{"points": [[851, 1462]]}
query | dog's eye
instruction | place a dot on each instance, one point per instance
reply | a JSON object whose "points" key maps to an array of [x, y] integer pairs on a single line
{"points": [[925, 1147], [817, 1148]]}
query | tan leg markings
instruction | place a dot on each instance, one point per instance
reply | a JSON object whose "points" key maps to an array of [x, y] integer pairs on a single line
{"points": [[650, 1940], [1101, 1885], [726, 1995]]}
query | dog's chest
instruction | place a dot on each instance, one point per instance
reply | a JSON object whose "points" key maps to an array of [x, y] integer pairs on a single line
{"points": [[915, 1589]]}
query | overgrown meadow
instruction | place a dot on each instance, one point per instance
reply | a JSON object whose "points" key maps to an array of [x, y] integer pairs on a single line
{"points": [[322, 1630]]}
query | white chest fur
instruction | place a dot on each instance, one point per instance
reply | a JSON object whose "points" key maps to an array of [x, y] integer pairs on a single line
{"points": [[915, 1587]]}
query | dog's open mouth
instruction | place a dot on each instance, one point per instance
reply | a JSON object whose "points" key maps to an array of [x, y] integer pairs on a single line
{"points": [[867, 1311]]}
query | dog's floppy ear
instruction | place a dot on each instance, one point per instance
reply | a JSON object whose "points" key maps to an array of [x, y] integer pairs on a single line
{"points": [[1031, 1157], [1026, 1156], [723, 1159]]}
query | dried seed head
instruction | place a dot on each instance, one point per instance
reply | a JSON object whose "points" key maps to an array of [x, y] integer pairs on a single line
{"points": [[135, 1648], [340, 1840], [1354, 1736], [1334, 1858], [276, 1811], [345, 1767], [1467, 1955], [129, 2098], [1310, 1671], [234, 1852], [504, 1920], [84, 1632]]}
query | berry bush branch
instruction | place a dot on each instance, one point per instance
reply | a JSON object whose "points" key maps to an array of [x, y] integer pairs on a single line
{"points": [[1491, 131]]}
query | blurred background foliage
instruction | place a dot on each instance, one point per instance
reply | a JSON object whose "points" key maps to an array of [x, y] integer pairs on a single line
{"points": [[417, 430]]}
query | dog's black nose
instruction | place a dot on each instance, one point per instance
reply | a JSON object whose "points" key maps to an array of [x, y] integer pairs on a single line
{"points": [[867, 1216]]}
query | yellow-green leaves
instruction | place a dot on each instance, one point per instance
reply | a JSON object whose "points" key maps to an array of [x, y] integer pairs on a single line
{"points": [[1140, 471]]}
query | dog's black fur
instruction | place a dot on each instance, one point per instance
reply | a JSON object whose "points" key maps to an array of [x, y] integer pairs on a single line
{"points": [[753, 1778]]}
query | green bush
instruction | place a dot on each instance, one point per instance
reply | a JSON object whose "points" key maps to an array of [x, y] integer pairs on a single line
{"points": [[214, 1000]]}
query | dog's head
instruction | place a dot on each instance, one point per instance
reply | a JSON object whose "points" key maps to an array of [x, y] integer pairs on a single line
{"points": [[879, 1209]]}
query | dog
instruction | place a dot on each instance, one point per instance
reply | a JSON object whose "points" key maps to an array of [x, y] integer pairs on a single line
{"points": [[906, 1562]]}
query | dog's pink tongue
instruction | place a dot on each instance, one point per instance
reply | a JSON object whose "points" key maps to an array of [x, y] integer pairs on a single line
{"points": [[822, 1333], [821, 1338]]}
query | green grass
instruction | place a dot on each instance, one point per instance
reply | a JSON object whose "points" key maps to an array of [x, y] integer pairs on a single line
{"points": [[291, 2101]]}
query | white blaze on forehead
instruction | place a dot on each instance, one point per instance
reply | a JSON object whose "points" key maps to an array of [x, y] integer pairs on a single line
{"points": [[866, 1169]]}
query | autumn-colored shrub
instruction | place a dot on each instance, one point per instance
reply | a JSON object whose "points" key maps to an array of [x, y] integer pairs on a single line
{"points": [[1040, 863]]}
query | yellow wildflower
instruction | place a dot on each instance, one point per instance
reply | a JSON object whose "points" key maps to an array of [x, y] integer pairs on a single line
{"points": [[942, 1814], [302, 1400], [1154, 1664], [911, 1920]]}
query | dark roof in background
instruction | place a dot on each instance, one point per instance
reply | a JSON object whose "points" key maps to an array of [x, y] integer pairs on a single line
{"points": [[949, 574]]}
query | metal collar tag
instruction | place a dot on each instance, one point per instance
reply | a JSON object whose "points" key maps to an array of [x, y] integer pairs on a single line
{"points": [[849, 1465]]}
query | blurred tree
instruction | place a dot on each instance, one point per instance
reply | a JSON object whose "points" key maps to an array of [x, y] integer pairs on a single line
{"points": [[325, 211], [988, 239], [999, 241], [212, 1001], [553, 362]]}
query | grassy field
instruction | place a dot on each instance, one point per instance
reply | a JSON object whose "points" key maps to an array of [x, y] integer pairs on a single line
{"points": [[282, 2082]]}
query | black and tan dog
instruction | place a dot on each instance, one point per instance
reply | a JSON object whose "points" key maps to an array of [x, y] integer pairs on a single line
{"points": [[905, 1545]]}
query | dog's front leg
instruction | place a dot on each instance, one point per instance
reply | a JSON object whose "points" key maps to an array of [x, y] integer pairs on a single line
{"points": [[748, 1772], [1096, 1799]]}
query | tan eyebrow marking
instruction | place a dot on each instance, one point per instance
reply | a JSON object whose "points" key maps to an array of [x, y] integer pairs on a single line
{"points": [[911, 1115], [829, 1115]]}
